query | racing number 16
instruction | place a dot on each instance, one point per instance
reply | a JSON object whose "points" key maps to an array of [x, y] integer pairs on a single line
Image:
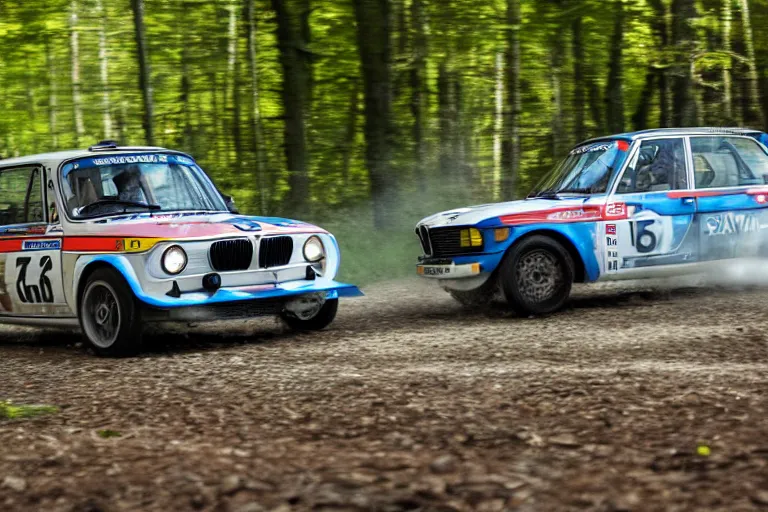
{"points": [[645, 241], [34, 293]]}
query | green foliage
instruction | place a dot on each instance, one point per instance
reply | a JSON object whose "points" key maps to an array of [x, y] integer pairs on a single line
{"points": [[108, 434], [193, 78], [11, 411]]}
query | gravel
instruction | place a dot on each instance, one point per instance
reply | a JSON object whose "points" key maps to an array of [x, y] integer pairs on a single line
{"points": [[407, 402]]}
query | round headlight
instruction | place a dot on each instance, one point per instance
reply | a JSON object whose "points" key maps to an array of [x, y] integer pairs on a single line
{"points": [[174, 260], [313, 249]]}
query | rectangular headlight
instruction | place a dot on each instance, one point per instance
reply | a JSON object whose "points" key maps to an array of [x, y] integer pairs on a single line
{"points": [[471, 237]]}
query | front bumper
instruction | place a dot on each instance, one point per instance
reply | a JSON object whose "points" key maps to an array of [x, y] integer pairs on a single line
{"points": [[227, 294], [332, 290]]}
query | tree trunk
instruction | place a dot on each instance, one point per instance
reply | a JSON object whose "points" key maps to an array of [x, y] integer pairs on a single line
{"points": [[145, 78], [401, 56], [74, 45], [349, 138], [52, 95], [558, 125], [417, 79], [373, 40], [186, 93], [727, 20], [306, 37], [684, 40], [614, 91], [447, 100], [295, 99], [579, 95], [640, 118], [257, 129], [106, 105], [498, 124], [510, 147], [233, 72], [660, 24], [755, 117]]}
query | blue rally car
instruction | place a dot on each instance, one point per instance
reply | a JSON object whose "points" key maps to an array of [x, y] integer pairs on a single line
{"points": [[639, 205]]}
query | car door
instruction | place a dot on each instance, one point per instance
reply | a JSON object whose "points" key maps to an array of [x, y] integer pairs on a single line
{"points": [[730, 173], [30, 257], [655, 228]]}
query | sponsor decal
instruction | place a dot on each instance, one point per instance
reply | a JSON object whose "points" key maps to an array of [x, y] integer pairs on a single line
{"points": [[567, 215], [731, 224], [611, 248], [131, 159], [591, 148], [41, 245], [616, 211]]}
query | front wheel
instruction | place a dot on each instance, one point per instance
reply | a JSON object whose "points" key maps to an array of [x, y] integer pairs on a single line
{"points": [[319, 321], [109, 314], [536, 276]]}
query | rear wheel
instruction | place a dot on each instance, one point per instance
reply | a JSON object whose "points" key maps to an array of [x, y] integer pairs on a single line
{"points": [[536, 276], [319, 321], [109, 314]]}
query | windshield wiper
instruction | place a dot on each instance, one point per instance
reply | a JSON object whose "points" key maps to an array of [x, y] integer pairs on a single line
{"points": [[118, 202], [546, 194], [587, 190]]}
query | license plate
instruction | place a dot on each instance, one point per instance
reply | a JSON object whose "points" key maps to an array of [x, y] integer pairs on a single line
{"points": [[436, 271]]}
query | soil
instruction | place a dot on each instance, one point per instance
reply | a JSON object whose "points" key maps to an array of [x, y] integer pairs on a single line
{"points": [[633, 398]]}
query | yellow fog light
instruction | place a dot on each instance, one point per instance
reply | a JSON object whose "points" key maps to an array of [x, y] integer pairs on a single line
{"points": [[471, 237], [500, 234]]}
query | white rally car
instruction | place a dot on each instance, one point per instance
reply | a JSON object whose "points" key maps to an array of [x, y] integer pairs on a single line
{"points": [[110, 237]]}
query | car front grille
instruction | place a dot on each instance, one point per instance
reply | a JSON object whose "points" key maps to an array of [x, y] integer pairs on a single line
{"points": [[275, 251], [440, 242], [228, 255]]}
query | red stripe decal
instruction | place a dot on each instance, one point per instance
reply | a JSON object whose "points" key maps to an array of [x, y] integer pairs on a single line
{"points": [[588, 213], [678, 194], [93, 244], [11, 245]]}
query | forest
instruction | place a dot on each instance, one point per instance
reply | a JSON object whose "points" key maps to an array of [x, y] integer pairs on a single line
{"points": [[370, 108]]}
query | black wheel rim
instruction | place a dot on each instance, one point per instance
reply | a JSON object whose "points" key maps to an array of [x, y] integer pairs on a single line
{"points": [[101, 314], [539, 276]]}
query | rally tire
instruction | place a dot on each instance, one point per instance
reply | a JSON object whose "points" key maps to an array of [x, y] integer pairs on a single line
{"points": [[110, 315], [320, 321], [536, 276]]}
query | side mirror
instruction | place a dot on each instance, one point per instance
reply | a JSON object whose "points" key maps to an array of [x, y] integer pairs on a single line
{"points": [[230, 202]]}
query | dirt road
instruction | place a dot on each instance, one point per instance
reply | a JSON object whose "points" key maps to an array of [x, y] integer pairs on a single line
{"points": [[629, 400]]}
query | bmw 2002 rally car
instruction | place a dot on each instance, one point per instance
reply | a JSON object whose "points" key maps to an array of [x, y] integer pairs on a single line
{"points": [[111, 237], [637, 205]]}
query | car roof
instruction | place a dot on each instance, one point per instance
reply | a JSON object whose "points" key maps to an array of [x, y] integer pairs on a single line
{"points": [[54, 158], [662, 132]]}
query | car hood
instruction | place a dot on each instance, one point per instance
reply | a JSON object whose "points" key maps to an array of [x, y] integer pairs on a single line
{"points": [[189, 225], [473, 215]]}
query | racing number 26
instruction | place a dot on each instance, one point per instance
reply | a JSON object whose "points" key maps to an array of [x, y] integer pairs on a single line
{"points": [[34, 293]]}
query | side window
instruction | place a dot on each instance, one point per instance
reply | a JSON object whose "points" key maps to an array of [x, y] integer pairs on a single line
{"points": [[21, 199], [659, 165], [728, 162]]}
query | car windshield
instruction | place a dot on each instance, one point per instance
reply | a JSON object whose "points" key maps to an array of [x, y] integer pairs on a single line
{"points": [[586, 170], [96, 187]]}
